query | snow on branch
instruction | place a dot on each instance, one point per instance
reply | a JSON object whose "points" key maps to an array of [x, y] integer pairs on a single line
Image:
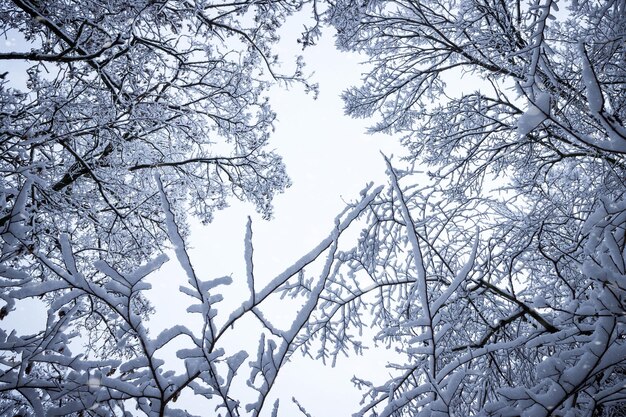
{"points": [[128, 366]]}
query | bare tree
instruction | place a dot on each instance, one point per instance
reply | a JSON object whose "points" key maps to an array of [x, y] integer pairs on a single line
{"points": [[133, 114], [495, 261], [41, 375], [119, 91]]}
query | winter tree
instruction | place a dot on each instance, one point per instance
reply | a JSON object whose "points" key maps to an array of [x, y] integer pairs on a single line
{"points": [[42, 376], [495, 262], [119, 91], [133, 114]]}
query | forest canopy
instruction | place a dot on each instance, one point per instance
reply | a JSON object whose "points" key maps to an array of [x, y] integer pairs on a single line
{"points": [[492, 263]]}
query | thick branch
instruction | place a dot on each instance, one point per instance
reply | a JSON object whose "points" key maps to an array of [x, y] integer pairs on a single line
{"points": [[525, 308]]}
